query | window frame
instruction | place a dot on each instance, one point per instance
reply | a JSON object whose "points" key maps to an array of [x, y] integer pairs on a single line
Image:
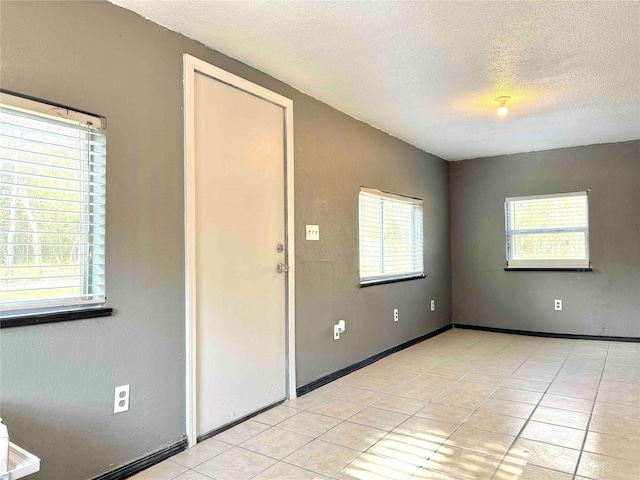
{"points": [[61, 309], [548, 264], [381, 279]]}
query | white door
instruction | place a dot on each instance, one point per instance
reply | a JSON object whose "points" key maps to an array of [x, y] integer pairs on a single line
{"points": [[240, 230]]}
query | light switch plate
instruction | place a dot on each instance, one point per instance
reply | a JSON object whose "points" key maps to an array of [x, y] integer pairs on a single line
{"points": [[313, 232]]}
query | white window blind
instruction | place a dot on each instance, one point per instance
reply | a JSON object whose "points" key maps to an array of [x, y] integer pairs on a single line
{"points": [[52, 207], [548, 231], [390, 237]]}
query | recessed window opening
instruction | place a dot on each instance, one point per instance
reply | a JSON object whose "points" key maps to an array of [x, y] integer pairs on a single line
{"points": [[391, 237], [52, 208], [548, 231]]}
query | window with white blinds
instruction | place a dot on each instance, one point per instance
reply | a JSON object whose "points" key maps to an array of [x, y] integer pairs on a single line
{"points": [[548, 231], [52, 207], [390, 237]]}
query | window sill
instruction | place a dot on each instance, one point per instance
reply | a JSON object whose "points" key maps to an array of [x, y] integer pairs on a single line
{"points": [[40, 318], [391, 280], [547, 269]]}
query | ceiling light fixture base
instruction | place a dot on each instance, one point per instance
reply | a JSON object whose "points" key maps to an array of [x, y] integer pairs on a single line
{"points": [[502, 100]]}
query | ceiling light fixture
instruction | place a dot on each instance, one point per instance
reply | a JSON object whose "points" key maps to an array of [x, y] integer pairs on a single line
{"points": [[502, 109]]}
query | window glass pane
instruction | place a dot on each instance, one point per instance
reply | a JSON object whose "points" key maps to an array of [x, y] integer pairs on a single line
{"points": [[398, 237], [565, 245], [371, 237], [548, 231], [52, 199], [557, 212], [390, 237]]}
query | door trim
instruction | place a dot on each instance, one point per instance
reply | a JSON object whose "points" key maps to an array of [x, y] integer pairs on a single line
{"points": [[191, 66]]}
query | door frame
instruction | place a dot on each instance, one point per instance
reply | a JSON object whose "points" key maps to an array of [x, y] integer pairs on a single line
{"points": [[191, 66]]}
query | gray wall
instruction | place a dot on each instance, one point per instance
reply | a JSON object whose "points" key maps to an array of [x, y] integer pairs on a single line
{"points": [[57, 380], [335, 156], [603, 302]]}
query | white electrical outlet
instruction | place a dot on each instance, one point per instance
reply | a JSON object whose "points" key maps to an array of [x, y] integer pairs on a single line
{"points": [[558, 305], [395, 314], [121, 399], [433, 305], [313, 232]]}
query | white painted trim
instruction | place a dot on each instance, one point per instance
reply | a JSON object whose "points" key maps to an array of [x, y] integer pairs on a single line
{"points": [[545, 196], [190, 250], [549, 263], [191, 66], [291, 257]]}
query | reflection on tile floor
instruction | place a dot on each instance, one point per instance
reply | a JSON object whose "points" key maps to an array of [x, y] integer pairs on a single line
{"points": [[463, 405]]}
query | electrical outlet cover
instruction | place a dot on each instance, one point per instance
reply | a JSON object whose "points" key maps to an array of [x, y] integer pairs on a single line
{"points": [[121, 399]]}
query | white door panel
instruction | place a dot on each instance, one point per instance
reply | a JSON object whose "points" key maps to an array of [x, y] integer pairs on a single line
{"points": [[240, 220]]}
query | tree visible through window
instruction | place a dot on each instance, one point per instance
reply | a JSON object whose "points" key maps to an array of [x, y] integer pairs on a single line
{"points": [[52, 207], [548, 231], [390, 237]]}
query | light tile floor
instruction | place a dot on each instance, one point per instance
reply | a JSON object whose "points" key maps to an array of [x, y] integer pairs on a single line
{"points": [[462, 405]]}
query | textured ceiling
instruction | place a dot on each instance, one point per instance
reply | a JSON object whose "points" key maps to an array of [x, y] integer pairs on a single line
{"points": [[427, 72]]}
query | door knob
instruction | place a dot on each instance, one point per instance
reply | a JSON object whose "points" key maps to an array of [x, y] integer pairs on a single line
{"points": [[283, 268]]}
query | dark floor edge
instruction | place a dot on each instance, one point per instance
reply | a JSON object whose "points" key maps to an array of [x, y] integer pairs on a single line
{"points": [[367, 361], [570, 336], [143, 463], [206, 436]]}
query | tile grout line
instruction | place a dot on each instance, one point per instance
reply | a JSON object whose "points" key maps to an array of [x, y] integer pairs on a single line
{"points": [[387, 394], [341, 420], [474, 410], [481, 357], [584, 441], [258, 453], [507, 378], [417, 467], [517, 436], [422, 466], [528, 419], [410, 416]]}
